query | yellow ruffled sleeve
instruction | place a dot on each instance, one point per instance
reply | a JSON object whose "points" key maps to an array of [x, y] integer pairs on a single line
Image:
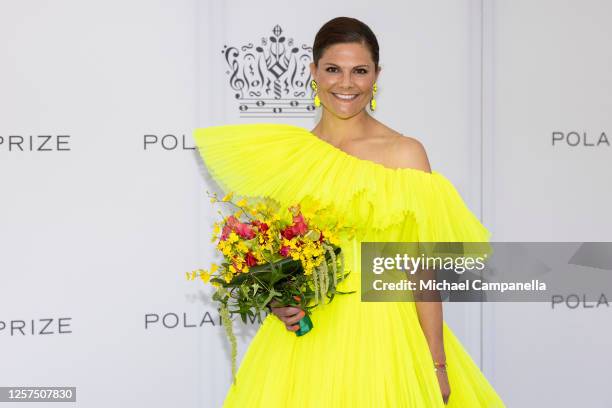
{"points": [[290, 165], [248, 159], [441, 213]]}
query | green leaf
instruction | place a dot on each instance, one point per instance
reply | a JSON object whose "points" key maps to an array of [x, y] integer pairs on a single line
{"points": [[244, 290]]}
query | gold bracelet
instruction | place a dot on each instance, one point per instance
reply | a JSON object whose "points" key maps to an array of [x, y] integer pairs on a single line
{"points": [[438, 365]]}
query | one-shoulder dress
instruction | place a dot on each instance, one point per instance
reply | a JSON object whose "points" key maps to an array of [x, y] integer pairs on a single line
{"points": [[358, 354]]}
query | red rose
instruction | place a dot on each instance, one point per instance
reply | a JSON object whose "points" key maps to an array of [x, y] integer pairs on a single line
{"points": [[299, 227], [225, 232], [250, 259], [229, 226], [288, 232], [262, 226], [284, 251], [244, 230], [232, 221], [299, 224]]}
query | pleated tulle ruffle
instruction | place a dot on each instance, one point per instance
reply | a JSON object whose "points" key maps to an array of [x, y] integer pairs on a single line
{"points": [[291, 164]]}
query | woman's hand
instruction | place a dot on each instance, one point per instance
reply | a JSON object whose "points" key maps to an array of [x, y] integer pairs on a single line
{"points": [[444, 385], [289, 315]]}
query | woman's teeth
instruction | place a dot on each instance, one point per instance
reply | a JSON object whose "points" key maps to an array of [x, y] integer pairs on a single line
{"points": [[345, 97]]}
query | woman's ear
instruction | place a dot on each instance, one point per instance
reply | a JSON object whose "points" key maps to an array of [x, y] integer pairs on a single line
{"points": [[313, 70], [377, 73]]}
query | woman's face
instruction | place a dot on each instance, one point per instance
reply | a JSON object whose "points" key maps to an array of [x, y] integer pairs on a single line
{"points": [[345, 75]]}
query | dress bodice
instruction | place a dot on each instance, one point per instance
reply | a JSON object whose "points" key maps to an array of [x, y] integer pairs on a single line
{"points": [[291, 165]]}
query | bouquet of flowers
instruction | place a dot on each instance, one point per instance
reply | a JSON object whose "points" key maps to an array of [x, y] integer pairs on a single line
{"points": [[272, 253]]}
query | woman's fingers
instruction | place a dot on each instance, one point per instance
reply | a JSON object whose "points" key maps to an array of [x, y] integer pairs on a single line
{"points": [[289, 315], [294, 319], [286, 311], [292, 327], [444, 385]]}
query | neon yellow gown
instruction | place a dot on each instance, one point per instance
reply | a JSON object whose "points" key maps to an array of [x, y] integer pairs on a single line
{"points": [[358, 354]]}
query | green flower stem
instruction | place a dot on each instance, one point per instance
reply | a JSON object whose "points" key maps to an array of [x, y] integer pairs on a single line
{"points": [[229, 331]]}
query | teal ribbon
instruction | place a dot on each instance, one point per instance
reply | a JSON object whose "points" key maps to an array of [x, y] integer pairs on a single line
{"points": [[305, 326]]}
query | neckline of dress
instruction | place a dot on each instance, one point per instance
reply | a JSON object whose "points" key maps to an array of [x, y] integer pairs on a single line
{"points": [[364, 161]]}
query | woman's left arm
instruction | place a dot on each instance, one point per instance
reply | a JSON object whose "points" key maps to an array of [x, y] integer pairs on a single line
{"points": [[430, 318], [429, 311]]}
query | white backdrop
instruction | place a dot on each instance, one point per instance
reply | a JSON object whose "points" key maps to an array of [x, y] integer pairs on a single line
{"points": [[547, 76], [103, 212]]}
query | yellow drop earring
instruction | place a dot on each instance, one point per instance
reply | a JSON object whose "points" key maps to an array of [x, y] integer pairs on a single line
{"points": [[317, 101], [373, 100]]}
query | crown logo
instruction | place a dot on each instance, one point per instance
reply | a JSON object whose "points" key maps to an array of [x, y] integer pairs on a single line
{"points": [[272, 79]]}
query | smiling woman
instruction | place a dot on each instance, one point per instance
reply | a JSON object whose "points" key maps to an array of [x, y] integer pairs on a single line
{"points": [[379, 182], [345, 66], [345, 89]]}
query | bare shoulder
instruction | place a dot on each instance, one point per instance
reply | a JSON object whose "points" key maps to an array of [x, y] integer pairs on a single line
{"points": [[410, 152], [407, 152]]}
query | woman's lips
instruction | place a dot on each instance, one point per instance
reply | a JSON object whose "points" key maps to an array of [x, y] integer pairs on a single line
{"points": [[345, 97]]}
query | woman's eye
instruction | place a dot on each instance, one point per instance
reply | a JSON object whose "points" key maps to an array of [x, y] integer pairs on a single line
{"points": [[361, 71], [332, 69]]}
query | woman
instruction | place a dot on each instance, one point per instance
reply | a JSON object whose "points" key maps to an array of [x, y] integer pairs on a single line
{"points": [[378, 181]]}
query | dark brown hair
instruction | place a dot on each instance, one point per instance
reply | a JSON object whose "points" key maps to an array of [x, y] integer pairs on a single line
{"points": [[344, 30]]}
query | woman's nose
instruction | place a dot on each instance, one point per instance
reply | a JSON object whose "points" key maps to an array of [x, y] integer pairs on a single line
{"points": [[346, 80]]}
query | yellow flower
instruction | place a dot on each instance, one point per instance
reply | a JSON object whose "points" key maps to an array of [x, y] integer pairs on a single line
{"points": [[213, 268], [232, 269], [228, 196], [221, 245], [241, 203], [216, 228], [205, 276], [215, 284], [233, 237], [331, 237], [227, 277]]}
